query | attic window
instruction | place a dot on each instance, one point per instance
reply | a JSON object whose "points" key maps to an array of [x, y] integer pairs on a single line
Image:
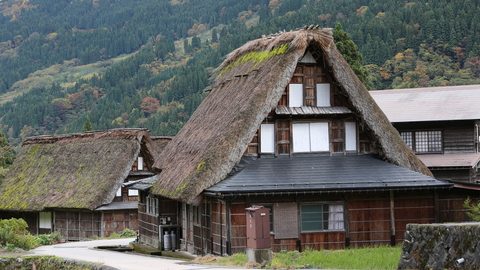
{"points": [[267, 138], [295, 95], [323, 95], [308, 58], [350, 136], [119, 192], [310, 137], [140, 163]]}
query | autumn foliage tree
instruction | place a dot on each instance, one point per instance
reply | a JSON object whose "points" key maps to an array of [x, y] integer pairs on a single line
{"points": [[149, 105]]}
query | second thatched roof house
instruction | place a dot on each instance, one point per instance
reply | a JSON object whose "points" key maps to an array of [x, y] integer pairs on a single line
{"points": [[74, 184], [287, 125]]}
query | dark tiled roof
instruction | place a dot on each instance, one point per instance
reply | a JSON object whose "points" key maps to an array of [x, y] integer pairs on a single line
{"points": [[322, 173], [118, 206]]}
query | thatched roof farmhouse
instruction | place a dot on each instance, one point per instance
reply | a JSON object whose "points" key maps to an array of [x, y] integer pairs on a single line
{"points": [[79, 172], [247, 87]]}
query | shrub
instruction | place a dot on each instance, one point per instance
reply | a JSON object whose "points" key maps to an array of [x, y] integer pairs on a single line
{"points": [[473, 209], [126, 233], [48, 239], [14, 233]]}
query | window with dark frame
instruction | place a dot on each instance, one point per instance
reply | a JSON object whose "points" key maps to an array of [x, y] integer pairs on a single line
{"points": [[152, 206], [270, 207], [321, 217], [429, 141]]}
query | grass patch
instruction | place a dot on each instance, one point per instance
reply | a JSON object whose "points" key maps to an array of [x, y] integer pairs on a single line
{"points": [[45, 263], [372, 258], [126, 233], [382, 257]]}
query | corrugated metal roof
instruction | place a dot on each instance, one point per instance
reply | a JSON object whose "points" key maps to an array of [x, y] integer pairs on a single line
{"points": [[451, 160], [430, 104], [322, 173], [118, 206], [310, 110]]}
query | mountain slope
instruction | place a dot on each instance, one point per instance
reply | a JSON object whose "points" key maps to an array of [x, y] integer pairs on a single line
{"points": [[178, 43]]}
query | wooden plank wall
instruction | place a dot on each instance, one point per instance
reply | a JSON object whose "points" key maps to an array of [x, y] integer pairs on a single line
{"points": [[219, 227], [119, 220], [455, 174], [368, 220], [412, 209], [451, 204], [148, 224], [238, 221], [76, 225], [459, 139], [147, 227]]}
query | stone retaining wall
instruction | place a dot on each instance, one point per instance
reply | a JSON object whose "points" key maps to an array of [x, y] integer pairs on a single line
{"points": [[441, 246]]}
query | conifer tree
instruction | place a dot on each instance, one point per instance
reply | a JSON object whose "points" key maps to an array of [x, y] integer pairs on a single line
{"points": [[350, 52]]}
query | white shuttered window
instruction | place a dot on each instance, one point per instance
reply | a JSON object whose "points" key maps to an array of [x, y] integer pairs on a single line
{"points": [[301, 137], [295, 95], [350, 136], [140, 164], [132, 192], [323, 95], [267, 138], [45, 220], [310, 137]]}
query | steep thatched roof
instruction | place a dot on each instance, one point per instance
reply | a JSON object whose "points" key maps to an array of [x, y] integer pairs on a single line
{"points": [[80, 171], [248, 85], [159, 143]]}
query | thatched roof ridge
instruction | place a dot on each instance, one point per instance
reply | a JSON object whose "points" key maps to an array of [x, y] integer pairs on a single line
{"points": [[248, 85], [81, 171], [126, 133]]}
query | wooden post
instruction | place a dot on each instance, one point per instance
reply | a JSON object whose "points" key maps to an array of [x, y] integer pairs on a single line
{"points": [[436, 205], [392, 219], [346, 222], [228, 216]]}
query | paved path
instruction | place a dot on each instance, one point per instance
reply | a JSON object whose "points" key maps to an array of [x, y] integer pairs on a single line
{"points": [[85, 251]]}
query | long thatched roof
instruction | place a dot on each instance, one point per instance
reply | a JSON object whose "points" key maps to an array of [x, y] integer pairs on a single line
{"points": [[248, 85], [81, 171]]}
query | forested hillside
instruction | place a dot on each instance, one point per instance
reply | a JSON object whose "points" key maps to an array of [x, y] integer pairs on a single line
{"points": [[132, 63]]}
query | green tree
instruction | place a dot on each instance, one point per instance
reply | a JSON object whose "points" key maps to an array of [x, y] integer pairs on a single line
{"points": [[350, 52], [7, 155], [87, 126]]}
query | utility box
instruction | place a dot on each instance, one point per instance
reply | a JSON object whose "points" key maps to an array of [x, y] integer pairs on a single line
{"points": [[258, 234]]}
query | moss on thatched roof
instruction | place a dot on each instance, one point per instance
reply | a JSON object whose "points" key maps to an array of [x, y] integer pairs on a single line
{"points": [[248, 85], [81, 171]]}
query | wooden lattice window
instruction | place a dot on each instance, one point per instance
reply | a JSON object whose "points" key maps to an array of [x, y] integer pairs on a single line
{"points": [[338, 136], [429, 141], [309, 86], [283, 137], [152, 206]]}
